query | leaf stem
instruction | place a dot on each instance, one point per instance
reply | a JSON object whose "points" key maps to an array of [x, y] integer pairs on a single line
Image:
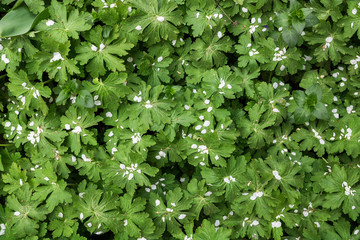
{"points": [[5, 144], [47, 81], [270, 76]]}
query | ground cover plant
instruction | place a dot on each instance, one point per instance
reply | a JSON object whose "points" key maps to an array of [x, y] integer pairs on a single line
{"points": [[174, 119]]}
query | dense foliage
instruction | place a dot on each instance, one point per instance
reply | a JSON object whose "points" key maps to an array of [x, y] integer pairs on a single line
{"points": [[174, 119]]}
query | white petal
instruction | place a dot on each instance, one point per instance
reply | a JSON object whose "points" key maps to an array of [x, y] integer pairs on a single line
{"points": [[49, 23], [131, 175], [102, 46], [56, 56], [276, 110], [77, 130], [329, 39], [160, 19], [94, 48], [5, 59], [276, 224]]}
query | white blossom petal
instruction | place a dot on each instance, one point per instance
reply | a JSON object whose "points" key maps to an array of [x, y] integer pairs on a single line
{"points": [[50, 22]]}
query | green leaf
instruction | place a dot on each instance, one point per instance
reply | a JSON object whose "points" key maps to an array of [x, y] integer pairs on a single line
{"points": [[17, 22], [311, 101], [255, 128], [221, 83], [291, 36], [207, 231], [63, 95], [203, 200], [311, 20], [97, 209], [156, 18], [14, 179], [29, 94], [210, 50], [312, 137], [120, 173], [136, 221], [110, 90], [85, 99], [199, 22], [302, 115], [294, 5], [229, 179], [172, 213], [149, 108], [63, 224], [65, 23], [69, 88], [315, 89], [98, 51], [321, 112], [298, 25], [282, 20], [52, 190], [341, 186], [77, 121], [327, 8], [29, 212], [35, 6]]}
